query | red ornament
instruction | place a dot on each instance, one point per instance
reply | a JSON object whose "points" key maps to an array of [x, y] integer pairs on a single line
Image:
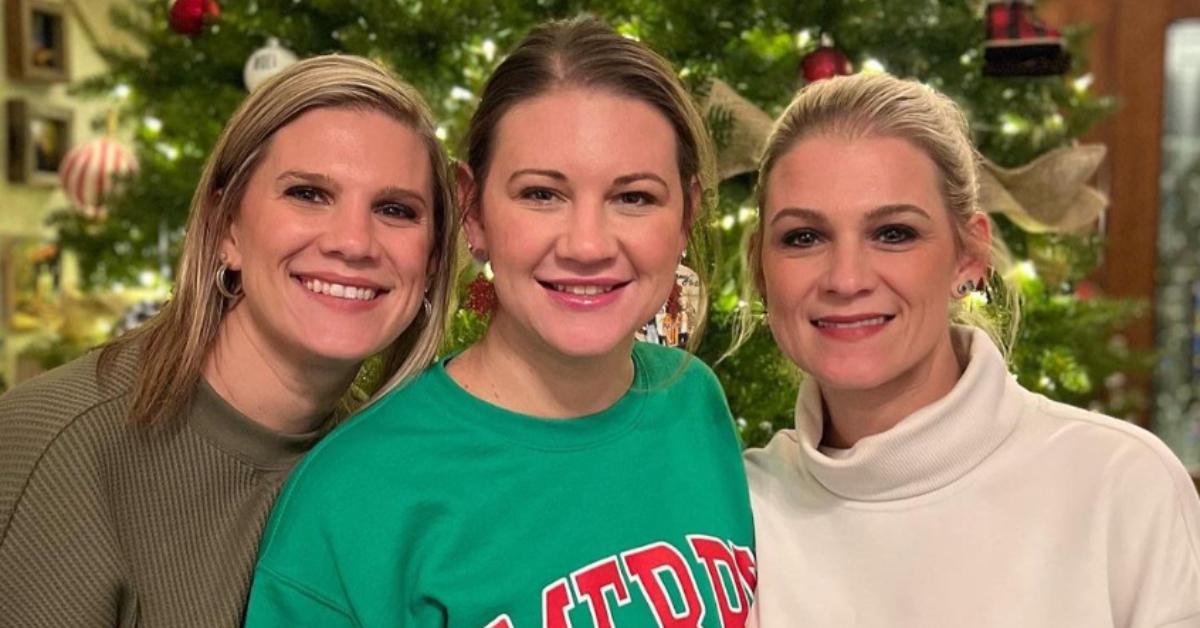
{"points": [[825, 62], [481, 296], [188, 16], [1086, 290]]}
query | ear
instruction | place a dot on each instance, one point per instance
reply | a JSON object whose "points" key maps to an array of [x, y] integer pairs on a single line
{"points": [[468, 193], [230, 252], [976, 256]]}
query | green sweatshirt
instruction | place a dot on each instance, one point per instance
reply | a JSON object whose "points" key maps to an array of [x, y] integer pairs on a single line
{"points": [[435, 508]]}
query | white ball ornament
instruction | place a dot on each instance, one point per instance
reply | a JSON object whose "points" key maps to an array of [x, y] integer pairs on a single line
{"points": [[265, 63]]}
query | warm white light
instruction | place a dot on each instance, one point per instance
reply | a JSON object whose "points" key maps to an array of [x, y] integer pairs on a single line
{"points": [[873, 66]]}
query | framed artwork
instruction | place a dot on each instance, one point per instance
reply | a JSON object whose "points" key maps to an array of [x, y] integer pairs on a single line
{"points": [[38, 140], [36, 32]]}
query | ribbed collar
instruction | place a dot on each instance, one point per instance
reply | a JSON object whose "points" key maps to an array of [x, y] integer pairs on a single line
{"points": [[928, 449], [238, 435], [542, 433]]}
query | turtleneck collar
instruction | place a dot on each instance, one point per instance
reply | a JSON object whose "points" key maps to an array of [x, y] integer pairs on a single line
{"points": [[239, 435], [926, 450]]}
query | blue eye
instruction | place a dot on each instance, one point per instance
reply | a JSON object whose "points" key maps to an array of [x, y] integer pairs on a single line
{"points": [[801, 238], [895, 234]]}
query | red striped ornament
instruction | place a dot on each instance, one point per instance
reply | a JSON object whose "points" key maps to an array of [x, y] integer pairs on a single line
{"points": [[91, 171]]}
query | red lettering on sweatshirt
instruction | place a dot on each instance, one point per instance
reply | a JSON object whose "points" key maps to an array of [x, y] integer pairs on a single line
{"points": [[648, 566], [503, 621], [556, 601], [591, 584], [665, 578], [717, 557], [747, 567]]}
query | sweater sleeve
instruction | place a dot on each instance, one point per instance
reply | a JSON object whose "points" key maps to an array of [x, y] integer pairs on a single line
{"points": [[59, 560], [1154, 539]]}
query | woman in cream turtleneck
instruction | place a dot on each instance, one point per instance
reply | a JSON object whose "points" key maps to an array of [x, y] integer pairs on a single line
{"points": [[922, 486]]}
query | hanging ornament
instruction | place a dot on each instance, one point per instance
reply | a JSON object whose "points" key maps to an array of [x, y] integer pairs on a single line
{"points": [[1017, 43], [825, 62], [1048, 194], [750, 126], [188, 16], [265, 63], [90, 173]]}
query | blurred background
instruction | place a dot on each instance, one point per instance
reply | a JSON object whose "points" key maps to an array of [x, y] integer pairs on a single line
{"points": [[1087, 113]]}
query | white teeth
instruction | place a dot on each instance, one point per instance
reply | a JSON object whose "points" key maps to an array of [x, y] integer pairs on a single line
{"points": [[351, 293], [586, 291], [878, 320]]}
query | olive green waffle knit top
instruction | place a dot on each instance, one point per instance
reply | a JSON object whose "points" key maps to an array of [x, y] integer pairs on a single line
{"points": [[106, 524]]}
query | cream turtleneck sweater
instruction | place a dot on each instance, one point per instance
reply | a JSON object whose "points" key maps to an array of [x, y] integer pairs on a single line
{"points": [[993, 506]]}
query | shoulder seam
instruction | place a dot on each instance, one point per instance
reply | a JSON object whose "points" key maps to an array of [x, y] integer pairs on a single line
{"points": [[45, 450], [309, 592]]}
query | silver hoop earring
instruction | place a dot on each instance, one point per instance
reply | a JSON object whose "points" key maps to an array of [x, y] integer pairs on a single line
{"points": [[223, 285], [428, 307], [964, 288]]}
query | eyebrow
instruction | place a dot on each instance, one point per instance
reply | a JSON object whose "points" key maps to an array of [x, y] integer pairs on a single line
{"points": [[553, 174], [638, 176], [329, 182], [879, 213], [621, 180], [310, 177]]}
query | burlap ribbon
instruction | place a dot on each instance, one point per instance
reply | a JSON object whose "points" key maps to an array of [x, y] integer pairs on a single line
{"points": [[1048, 194]]}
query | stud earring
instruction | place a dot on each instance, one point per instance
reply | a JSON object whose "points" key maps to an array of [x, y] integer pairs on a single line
{"points": [[964, 288]]}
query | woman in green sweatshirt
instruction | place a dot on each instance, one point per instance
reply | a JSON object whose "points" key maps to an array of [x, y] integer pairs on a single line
{"points": [[556, 473]]}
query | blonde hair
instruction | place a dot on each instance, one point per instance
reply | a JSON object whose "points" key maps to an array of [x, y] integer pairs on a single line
{"points": [[175, 343], [586, 52], [880, 105]]}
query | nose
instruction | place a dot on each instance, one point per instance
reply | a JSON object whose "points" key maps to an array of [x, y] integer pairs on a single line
{"points": [[848, 272], [587, 236], [350, 232]]}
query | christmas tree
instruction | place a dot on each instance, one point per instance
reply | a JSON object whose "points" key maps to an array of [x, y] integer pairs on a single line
{"points": [[188, 78]]}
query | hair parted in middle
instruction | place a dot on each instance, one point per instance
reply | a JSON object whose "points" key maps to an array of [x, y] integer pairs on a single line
{"points": [[584, 52], [176, 342], [881, 105]]}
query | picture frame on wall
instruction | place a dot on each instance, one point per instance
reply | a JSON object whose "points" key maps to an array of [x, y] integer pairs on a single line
{"points": [[39, 137], [38, 45]]}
